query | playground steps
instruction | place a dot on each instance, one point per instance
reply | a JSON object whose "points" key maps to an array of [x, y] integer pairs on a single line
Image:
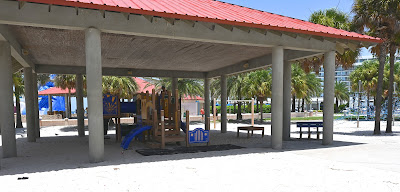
{"points": [[156, 143], [175, 138], [153, 144]]}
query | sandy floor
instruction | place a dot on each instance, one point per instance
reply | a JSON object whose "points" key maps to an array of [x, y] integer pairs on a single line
{"points": [[357, 161]]}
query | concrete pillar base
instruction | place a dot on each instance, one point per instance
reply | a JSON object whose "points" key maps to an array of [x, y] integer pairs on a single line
{"points": [[6, 102], [36, 105], [207, 102], [29, 104], [95, 95], [329, 96], [224, 97], [287, 94], [277, 98], [79, 105]]}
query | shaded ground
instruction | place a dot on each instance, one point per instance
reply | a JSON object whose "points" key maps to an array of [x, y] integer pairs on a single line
{"points": [[357, 161]]}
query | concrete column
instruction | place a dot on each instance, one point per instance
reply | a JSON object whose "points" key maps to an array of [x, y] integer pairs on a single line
{"points": [[36, 105], [329, 96], [174, 85], [50, 98], [277, 98], [94, 94], [29, 104], [6, 102], [207, 101], [287, 94], [79, 105], [224, 97]]}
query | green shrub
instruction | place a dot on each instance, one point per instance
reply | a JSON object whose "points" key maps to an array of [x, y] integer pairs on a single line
{"points": [[245, 109], [342, 107]]}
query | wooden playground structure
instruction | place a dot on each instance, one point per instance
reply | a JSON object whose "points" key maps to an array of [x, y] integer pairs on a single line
{"points": [[162, 112], [158, 121]]}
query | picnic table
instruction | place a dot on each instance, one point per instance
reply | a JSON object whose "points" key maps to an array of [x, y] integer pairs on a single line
{"points": [[310, 125], [250, 128]]}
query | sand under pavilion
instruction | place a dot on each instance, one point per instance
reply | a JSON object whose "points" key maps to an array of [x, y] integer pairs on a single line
{"points": [[163, 38]]}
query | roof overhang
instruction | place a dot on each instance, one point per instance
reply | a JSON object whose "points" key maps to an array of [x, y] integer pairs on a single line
{"points": [[211, 49]]}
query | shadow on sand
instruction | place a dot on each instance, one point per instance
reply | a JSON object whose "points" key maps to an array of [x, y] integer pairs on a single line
{"points": [[58, 153], [368, 133]]}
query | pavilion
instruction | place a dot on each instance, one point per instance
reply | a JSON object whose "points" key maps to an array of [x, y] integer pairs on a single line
{"points": [[160, 38]]}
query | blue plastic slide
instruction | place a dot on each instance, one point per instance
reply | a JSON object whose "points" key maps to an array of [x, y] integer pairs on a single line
{"points": [[135, 132]]}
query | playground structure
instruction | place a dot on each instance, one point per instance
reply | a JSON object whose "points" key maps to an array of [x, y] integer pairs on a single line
{"points": [[162, 112], [158, 121], [367, 113]]}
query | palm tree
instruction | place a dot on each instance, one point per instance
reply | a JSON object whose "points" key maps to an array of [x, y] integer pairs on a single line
{"points": [[124, 87], [42, 79], [313, 87], [337, 19], [367, 73], [380, 18], [188, 87], [258, 84], [299, 84], [235, 89], [341, 94], [19, 90]]}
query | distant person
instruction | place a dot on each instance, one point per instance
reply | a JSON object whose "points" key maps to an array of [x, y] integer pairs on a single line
{"points": [[163, 90]]}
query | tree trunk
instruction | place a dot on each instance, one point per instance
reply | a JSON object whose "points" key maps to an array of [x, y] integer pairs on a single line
{"points": [[69, 106], [262, 119], [379, 90], [391, 80], [18, 110], [368, 109], [257, 101], [337, 106], [302, 105], [239, 115], [298, 105], [294, 103]]}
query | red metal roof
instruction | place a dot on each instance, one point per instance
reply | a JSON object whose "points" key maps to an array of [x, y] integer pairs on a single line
{"points": [[215, 12], [192, 98], [142, 85], [55, 91]]}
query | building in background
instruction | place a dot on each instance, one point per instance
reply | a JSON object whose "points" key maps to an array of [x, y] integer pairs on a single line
{"points": [[341, 75]]}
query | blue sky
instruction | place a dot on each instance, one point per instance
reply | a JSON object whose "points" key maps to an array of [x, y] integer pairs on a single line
{"points": [[300, 9]]}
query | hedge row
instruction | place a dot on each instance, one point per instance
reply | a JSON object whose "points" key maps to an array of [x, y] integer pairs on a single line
{"points": [[245, 109]]}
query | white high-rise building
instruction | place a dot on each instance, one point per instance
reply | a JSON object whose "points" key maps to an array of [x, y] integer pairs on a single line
{"points": [[343, 75]]}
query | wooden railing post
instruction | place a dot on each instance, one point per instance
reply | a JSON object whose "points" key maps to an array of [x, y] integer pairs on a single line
{"points": [[162, 130], [187, 128]]}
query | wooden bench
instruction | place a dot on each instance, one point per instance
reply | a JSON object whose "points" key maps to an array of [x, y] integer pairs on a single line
{"points": [[310, 125], [250, 128]]}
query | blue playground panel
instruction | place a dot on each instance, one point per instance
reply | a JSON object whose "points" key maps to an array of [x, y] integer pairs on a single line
{"points": [[128, 107], [199, 135]]}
